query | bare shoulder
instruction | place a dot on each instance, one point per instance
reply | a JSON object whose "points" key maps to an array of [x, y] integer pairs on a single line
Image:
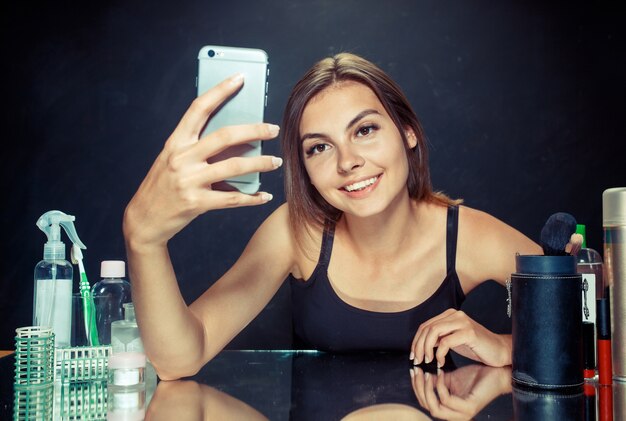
{"points": [[269, 252], [277, 233], [487, 247]]}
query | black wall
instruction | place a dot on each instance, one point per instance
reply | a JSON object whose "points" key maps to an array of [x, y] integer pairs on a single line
{"points": [[523, 104]]}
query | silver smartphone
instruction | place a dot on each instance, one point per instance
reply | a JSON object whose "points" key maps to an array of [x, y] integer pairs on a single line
{"points": [[216, 63]]}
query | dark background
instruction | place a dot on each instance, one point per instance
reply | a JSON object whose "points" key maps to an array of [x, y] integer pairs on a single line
{"points": [[522, 102]]}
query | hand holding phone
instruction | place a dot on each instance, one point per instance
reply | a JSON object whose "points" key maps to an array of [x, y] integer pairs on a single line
{"points": [[216, 63], [178, 186]]}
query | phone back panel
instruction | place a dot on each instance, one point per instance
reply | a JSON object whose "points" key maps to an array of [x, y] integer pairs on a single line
{"points": [[216, 63]]}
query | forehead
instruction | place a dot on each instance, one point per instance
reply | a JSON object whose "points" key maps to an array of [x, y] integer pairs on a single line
{"points": [[338, 103]]}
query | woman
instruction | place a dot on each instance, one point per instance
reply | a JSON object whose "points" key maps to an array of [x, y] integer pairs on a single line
{"points": [[363, 238]]}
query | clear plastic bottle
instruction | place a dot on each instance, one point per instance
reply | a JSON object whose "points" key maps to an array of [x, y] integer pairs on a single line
{"points": [[52, 298], [109, 295], [591, 267]]}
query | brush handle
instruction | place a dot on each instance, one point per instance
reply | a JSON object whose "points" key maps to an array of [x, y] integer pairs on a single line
{"points": [[89, 311]]}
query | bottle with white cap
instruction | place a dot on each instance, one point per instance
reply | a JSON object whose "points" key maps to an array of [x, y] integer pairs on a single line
{"points": [[110, 294]]}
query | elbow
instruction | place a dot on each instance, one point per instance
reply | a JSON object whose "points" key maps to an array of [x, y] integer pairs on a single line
{"points": [[168, 371], [175, 367]]}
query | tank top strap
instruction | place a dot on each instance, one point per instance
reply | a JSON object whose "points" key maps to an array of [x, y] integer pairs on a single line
{"points": [[451, 237], [327, 243]]}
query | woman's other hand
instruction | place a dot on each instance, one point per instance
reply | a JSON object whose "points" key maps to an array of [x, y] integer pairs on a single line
{"points": [[462, 393], [455, 330]]}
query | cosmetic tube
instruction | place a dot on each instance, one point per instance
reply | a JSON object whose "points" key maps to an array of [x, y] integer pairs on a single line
{"points": [[589, 350], [604, 342]]}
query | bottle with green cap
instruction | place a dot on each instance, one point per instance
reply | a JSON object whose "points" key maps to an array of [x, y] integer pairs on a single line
{"points": [[591, 267], [590, 262]]}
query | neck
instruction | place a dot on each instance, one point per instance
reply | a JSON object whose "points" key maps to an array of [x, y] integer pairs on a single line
{"points": [[384, 234]]}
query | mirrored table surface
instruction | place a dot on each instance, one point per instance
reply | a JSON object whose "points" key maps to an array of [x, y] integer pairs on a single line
{"points": [[311, 385]]}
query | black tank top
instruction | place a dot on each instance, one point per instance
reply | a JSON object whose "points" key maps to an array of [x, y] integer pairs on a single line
{"points": [[323, 321]]}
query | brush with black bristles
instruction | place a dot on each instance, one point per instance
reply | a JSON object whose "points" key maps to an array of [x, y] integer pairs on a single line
{"points": [[558, 236]]}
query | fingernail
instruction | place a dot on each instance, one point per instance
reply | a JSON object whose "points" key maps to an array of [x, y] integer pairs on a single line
{"points": [[276, 161], [411, 372], [426, 375], [236, 79], [426, 359], [412, 356], [266, 197], [274, 129]]}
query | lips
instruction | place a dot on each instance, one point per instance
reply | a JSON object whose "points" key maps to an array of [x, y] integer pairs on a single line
{"points": [[360, 185]]}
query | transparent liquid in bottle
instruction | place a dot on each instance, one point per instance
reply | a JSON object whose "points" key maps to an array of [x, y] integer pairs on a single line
{"points": [[125, 333]]}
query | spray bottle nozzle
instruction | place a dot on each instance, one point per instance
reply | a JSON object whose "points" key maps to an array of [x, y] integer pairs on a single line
{"points": [[50, 223]]}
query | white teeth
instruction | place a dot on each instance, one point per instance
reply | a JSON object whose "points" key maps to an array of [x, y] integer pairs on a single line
{"points": [[361, 184]]}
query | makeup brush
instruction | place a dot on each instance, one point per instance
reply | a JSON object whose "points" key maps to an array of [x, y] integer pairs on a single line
{"points": [[558, 235]]}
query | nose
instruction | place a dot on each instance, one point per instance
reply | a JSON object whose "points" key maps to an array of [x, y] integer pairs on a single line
{"points": [[348, 159]]}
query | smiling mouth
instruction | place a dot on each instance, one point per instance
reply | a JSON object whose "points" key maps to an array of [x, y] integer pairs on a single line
{"points": [[360, 185]]}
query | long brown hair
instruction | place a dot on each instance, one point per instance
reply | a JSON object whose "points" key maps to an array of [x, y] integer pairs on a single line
{"points": [[307, 208]]}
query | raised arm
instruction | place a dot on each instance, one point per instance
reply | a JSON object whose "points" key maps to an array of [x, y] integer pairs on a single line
{"points": [[175, 191]]}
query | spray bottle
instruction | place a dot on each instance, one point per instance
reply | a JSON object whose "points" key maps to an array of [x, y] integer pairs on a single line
{"points": [[52, 298]]}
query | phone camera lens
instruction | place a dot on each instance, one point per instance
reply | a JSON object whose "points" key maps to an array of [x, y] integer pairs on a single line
{"points": [[211, 53]]}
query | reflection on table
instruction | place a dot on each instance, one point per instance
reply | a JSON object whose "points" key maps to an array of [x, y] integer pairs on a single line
{"points": [[320, 386], [303, 385], [296, 385]]}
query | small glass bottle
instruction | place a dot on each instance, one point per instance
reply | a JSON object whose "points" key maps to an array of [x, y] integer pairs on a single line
{"points": [[125, 338], [125, 333], [109, 295]]}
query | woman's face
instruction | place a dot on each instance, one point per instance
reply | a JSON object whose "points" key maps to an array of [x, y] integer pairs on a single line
{"points": [[353, 152]]}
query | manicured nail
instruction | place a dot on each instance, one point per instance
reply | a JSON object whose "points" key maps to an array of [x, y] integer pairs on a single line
{"points": [[412, 355], [266, 197], [274, 129], [411, 372], [426, 359], [276, 161], [236, 79]]}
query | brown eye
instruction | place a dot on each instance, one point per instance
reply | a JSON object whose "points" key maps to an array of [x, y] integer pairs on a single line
{"points": [[366, 130], [316, 149]]}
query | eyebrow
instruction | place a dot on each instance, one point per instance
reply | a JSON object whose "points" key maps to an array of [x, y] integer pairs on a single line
{"points": [[352, 122]]}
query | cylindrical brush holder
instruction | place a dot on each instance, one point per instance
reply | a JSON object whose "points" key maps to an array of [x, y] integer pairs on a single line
{"points": [[540, 405], [546, 304]]}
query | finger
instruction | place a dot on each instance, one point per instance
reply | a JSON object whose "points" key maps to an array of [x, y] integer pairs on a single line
{"points": [[225, 137], [233, 167], [452, 340], [418, 386], [449, 400], [222, 200], [431, 340], [442, 329], [417, 349], [201, 108], [432, 402]]}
